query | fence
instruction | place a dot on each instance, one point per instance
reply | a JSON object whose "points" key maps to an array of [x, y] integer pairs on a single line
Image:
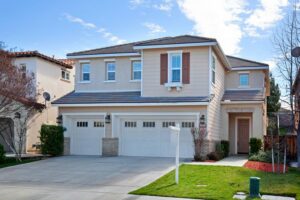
{"points": [[291, 141]]}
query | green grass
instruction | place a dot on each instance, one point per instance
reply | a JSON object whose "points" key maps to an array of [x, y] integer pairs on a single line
{"points": [[12, 162], [218, 182]]}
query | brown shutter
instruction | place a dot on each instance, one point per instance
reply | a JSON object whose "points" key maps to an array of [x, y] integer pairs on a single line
{"points": [[163, 68], [186, 68]]}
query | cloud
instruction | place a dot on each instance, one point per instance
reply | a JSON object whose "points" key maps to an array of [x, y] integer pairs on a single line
{"points": [[136, 3], [80, 21], [154, 28], [166, 6], [220, 19], [266, 15], [271, 63], [105, 34]]}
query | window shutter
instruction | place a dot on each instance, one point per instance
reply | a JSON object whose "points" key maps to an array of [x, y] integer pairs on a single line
{"points": [[186, 68], [163, 68]]}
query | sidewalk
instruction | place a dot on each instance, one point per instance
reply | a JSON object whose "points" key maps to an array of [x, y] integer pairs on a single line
{"points": [[235, 161]]}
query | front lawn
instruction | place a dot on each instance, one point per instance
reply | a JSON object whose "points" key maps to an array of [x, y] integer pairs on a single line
{"points": [[12, 161], [218, 182]]}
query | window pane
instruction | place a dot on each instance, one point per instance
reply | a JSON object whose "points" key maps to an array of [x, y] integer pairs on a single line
{"points": [[136, 66], [110, 67], [137, 75], [175, 75], [67, 76], [63, 74], [244, 79], [176, 61], [213, 76], [86, 77], [86, 68], [111, 76]]}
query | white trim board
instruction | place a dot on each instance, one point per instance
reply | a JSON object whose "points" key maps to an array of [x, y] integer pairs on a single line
{"points": [[249, 68], [105, 55], [104, 91], [175, 45], [133, 104], [242, 102]]}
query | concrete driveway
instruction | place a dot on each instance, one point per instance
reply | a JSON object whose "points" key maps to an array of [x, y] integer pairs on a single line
{"points": [[84, 178]]}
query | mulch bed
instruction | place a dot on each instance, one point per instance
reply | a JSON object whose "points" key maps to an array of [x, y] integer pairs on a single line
{"points": [[261, 166]]}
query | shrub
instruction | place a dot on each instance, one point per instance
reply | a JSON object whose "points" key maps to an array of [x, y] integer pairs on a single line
{"points": [[214, 156], [2, 154], [225, 147], [255, 145], [52, 140], [265, 156]]}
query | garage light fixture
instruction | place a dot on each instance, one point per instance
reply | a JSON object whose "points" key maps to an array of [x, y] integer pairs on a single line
{"points": [[107, 119], [202, 120], [17, 115]]}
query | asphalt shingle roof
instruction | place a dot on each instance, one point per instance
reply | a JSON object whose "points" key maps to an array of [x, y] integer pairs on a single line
{"points": [[241, 62], [121, 97], [243, 95]]}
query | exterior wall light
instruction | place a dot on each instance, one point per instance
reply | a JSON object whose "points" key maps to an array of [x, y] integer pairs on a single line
{"points": [[107, 119], [17, 115], [202, 120]]}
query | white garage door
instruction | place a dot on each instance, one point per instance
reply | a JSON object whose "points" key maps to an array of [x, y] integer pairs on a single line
{"points": [[148, 137], [86, 137]]}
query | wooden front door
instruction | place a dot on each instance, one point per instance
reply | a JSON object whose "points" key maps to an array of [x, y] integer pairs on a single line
{"points": [[243, 135]]}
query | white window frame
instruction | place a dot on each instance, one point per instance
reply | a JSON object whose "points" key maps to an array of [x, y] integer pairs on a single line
{"points": [[66, 77], [244, 73], [82, 73], [170, 81], [213, 70], [110, 71], [132, 70]]}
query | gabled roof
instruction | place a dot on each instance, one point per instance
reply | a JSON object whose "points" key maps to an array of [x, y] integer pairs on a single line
{"points": [[241, 62], [39, 55], [243, 95], [121, 97], [129, 47]]}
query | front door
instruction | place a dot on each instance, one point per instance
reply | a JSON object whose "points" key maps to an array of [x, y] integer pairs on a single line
{"points": [[243, 135]]}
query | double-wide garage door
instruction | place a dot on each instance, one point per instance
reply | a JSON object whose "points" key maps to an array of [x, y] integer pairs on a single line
{"points": [[86, 138], [152, 137]]}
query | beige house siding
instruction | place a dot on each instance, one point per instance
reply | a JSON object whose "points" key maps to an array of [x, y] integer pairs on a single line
{"points": [[98, 76], [256, 79], [199, 73], [214, 108], [48, 79]]}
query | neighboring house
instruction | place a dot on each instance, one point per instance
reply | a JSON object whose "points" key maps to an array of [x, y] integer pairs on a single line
{"points": [[127, 95], [285, 121], [53, 76]]}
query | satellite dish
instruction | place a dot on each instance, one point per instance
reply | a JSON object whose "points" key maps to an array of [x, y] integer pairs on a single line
{"points": [[46, 96], [296, 52]]}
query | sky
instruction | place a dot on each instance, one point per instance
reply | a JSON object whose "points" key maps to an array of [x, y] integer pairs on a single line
{"points": [[57, 27]]}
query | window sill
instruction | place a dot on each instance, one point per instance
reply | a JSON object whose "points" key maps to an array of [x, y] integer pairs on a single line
{"points": [[65, 80], [133, 81], [109, 81], [84, 82], [178, 86], [244, 86]]}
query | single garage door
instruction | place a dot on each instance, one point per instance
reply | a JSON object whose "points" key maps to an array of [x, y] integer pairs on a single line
{"points": [[86, 137], [152, 137]]}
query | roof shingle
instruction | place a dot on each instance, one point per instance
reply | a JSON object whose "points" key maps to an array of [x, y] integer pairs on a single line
{"points": [[243, 95], [241, 62], [121, 97]]}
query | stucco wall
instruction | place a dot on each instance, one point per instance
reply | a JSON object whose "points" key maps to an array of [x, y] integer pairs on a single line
{"points": [[256, 79], [199, 71], [123, 80]]}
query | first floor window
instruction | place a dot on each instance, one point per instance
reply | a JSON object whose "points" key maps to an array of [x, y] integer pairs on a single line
{"points": [[136, 70], [82, 124], [85, 72], [213, 70], [176, 66], [111, 71], [244, 79]]}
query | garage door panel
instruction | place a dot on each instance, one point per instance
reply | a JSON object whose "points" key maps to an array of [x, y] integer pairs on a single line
{"points": [[86, 138], [154, 141]]}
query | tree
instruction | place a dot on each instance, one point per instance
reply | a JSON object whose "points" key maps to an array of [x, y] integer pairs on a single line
{"points": [[199, 135], [273, 104], [17, 102]]}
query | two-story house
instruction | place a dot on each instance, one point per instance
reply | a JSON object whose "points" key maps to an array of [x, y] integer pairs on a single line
{"points": [[56, 77], [127, 95]]}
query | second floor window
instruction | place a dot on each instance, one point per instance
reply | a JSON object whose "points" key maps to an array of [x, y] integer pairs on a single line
{"points": [[110, 71], [136, 70], [85, 72], [213, 70], [244, 80], [175, 64], [65, 75]]}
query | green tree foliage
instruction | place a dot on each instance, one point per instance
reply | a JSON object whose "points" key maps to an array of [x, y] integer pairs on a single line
{"points": [[273, 104], [52, 140]]}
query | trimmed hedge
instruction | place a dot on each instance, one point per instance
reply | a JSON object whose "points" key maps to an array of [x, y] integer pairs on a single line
{"points": [[225, 147], [255, 145], [2, 154], [52, 140]]}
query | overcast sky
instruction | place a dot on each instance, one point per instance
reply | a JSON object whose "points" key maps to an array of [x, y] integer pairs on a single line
{"points": [[56, 27]]}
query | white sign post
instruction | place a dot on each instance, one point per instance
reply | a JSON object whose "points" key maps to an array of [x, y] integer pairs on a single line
{"points": [[176, 130]]}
